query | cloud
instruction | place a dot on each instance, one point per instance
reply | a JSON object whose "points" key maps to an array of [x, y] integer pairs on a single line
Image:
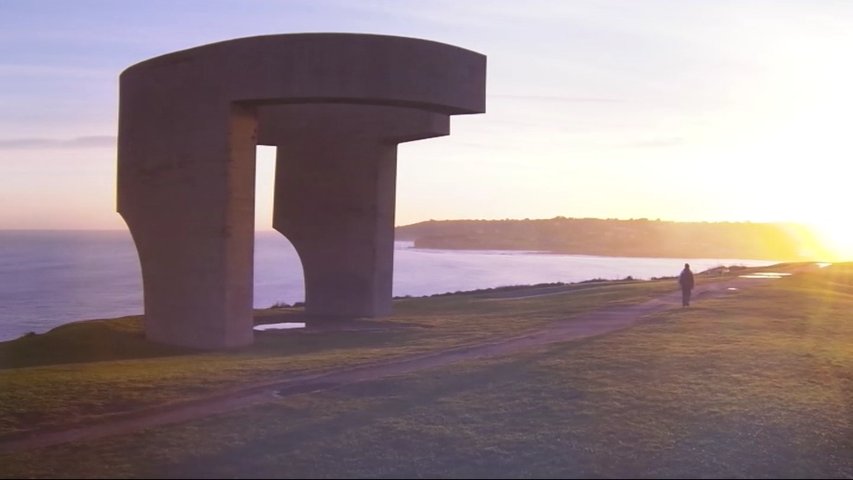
{"points": [[655, 143], [555, 98], [96, 141], [21, 70]]}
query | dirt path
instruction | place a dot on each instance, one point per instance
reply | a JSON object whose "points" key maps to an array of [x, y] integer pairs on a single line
{"points": [[590, 324]]}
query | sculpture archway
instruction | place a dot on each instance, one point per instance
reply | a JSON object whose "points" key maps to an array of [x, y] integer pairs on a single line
{"points": [[336, 106]]}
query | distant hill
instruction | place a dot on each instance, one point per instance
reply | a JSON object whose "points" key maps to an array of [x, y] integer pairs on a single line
{"points": [[624, 238]]}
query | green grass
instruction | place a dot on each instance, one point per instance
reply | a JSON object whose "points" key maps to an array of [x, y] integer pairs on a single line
{"points": [[84, 370], [757, 384]]}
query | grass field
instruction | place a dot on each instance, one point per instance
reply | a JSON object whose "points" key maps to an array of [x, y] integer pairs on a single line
{"points": [[89, 369], [758, 383]]}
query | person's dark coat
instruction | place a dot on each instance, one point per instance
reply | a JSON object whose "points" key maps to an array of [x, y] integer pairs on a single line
{"points": [[686, 279]]}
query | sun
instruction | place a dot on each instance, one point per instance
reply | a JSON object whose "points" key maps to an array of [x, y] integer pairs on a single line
{"points": [[836, 237]]}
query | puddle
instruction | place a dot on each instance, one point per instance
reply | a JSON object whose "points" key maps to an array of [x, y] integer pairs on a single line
{"points": [[765, 275], [279, 326], [822, 264], [732, 288]]}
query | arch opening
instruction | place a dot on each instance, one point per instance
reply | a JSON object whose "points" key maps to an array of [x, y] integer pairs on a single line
{"points": [[279, 277]]}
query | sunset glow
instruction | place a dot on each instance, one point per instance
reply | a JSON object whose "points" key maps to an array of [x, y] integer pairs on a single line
{"points": [[680, 111], [837, 236]]}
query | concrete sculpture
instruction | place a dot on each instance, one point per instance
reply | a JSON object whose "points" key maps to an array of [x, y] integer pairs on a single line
{"points": [[336, 106]]}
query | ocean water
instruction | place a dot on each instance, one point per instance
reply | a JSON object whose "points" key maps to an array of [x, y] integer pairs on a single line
{"points": [[48, 278]]}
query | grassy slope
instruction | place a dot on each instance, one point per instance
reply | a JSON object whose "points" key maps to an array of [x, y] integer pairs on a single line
{"points": [[757, 384], [87, 369]]}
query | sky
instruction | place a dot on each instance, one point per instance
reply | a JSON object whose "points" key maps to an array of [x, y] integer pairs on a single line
{"points": [[673, 110]]}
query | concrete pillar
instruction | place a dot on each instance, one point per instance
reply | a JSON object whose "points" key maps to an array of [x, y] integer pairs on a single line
{"points": [[337, 105], [342, 160], [190, 208]]}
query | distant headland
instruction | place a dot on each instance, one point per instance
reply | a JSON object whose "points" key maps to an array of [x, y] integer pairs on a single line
{"points": [[624, 238]]}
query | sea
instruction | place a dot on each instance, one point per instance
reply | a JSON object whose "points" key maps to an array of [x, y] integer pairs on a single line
{"points": [[48, 278]]}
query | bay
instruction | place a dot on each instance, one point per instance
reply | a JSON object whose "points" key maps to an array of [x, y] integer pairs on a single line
{"points": [[48, 278]]}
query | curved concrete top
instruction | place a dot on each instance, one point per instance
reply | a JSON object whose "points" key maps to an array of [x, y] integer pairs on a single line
{"points": [[318, 68]]}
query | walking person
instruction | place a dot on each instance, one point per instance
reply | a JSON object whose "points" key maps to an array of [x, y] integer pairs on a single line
{"points": [[685, 280]]}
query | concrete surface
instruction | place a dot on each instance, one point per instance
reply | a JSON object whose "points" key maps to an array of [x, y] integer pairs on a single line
{"points": [[336, 105]]}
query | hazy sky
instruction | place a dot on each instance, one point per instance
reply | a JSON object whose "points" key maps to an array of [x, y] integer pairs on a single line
{"points": [[678, 110]]}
